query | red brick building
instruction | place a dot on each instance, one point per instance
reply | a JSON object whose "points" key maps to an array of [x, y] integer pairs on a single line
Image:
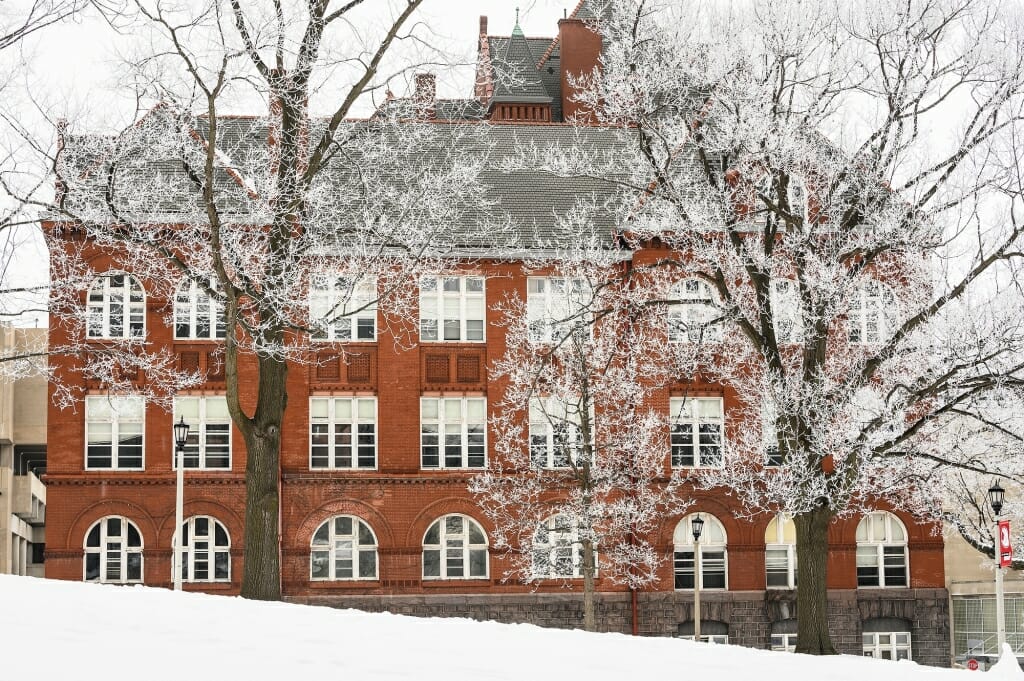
{"points": [[374, 515]]}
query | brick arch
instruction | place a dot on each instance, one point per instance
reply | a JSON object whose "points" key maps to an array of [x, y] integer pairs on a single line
{"points": [[443, 507], [75, 538], [735, 531], [368, 514], [227, 517]]}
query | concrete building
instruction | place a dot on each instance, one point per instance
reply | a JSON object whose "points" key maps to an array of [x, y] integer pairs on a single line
{"points": [[22, 461]]}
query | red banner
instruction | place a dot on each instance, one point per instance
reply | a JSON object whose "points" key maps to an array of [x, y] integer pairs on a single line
{"points": [[1005, 546]]}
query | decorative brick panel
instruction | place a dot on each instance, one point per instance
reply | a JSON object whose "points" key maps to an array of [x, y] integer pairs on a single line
{"points": [[214, 366], [437, 369], [359, 367], [188, 361], [467, 369], [328, 368]]}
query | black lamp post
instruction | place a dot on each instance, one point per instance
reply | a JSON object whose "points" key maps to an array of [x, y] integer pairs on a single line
{"points": [[696, 526], [995, 498], [180, 438]]}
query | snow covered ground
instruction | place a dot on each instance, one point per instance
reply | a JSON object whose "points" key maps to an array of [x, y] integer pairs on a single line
{"points": [[66, 630]]}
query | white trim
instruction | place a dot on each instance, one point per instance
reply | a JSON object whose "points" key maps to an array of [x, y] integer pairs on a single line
{"points": [[105, 551], [187, 303], [442, 423], [115, 426], [433, 294], [455, 541], [99, 314], [336, 542], [354, 420], [188, 559], [199, 431], [690, 411]]}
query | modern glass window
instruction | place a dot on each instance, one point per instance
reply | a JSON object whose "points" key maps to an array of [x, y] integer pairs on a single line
{"points": [[785, 300], [693, 318], [452, 432], [556, 438], [113, 551], [114, 432], [209, 432], [696, 432], [197, 314], [343, 432], [974, 624], [556, 306], [455, 547], [116, 307], [881, 551], [780, 553], [870, 318], [452, 309], [889, 645], [713, 556], [342, 309], [343, 548], [206, 552], [557, 551]]}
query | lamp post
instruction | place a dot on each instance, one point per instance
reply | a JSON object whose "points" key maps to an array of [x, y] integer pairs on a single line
{"points": [[995, 498], [697, 526], [180, 438]]}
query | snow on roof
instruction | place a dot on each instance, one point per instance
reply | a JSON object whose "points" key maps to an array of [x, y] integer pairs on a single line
{"points": [[100, 632]]}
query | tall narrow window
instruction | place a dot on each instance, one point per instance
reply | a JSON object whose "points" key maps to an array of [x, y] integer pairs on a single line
{"points": [[209, 433], [116, 307], [206, 552], [452, 309], [114, 432], [712, 554], [556, 432], [871, 313], [455, 547], [557, 550], [342, 309], [695, 318], [197, 314], [786, 315], [556, 306], [343, 548], [780, 553], [696, 437], [881, 551], [452, 432], [343, 432], [113, 551]]}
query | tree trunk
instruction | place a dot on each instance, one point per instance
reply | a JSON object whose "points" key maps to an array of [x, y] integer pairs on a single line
{"points": [[589, 616], [261, 578], [812, 586]]}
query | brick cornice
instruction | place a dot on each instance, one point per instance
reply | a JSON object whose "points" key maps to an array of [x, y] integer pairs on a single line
{"points": [[57, 480]]}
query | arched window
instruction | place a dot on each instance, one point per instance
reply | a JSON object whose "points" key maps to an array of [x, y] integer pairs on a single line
{"points": [[693, 318], [197, 314], [113, 551], [872, 313], [712, 553], [343, 547], [881, 551], [206, 553], [455, 547], [116, 307], [780, 553], [557, 551]]}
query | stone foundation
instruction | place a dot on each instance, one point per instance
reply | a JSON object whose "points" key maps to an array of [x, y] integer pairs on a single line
{"points": [[749, 615]]}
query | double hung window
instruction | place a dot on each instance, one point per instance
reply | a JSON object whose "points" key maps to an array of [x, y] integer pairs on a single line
{"points": [[780, 553], [556, 433], [696, 432], [453, 432], [114, 432], [116, 307], [452, 309], [881, 551], [342, 309], [556, 307], [209, 433], [197, 314], [557, 550], [343, 432], [712, 546]]}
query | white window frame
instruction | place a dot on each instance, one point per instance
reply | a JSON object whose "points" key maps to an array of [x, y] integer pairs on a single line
{"points": [[106, 550], [778, 543], [782, 643], [872, 645], [333, 548], [201, 430], [193, 306], [436, 299], [451, 542], [870, 317], [556, 433], [362, 432], [690, 320], [683, 543], [214, 550], [870, 546], [437, 424], [556, 306], [100, 307], [556, 544], [117, 424], [349, 306], [687, 411]]}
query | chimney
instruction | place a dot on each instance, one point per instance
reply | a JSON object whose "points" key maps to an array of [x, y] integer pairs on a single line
{"points": [[483, 25], [60, 186], [580, 47], [483, 88], [425, 96]]}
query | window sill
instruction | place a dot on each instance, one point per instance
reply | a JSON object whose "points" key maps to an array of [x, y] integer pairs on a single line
{"points": [[441, 582]]}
